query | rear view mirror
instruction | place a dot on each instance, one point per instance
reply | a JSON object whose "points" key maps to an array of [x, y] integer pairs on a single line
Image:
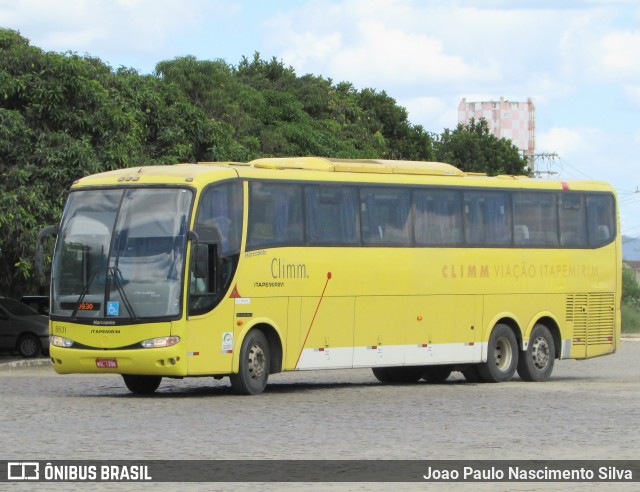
{"points": [[47, 231]]}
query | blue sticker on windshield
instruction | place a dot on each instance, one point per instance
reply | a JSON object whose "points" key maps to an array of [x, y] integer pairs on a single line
{"points": [[113, 308]]}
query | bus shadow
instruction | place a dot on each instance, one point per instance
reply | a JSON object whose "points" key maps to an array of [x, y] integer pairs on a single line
{"points": [[275, 389], [175, 390]]}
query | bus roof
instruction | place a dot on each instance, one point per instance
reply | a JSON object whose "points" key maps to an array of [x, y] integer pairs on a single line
{"points": [[322, 168], [377, 166], [161, 174]]}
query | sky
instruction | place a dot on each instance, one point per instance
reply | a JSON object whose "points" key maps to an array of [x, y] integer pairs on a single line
{"points": [[578, 59]]}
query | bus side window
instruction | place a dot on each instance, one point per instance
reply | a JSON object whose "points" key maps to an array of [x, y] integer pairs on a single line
{"points": [[487, 218], [437, 217], [275, 215], [600, 219], [331, 215], [386, 217], [535, 219], [573, 227]]}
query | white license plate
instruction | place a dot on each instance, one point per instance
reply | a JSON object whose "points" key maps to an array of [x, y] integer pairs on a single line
{"points": [[106, 363]]}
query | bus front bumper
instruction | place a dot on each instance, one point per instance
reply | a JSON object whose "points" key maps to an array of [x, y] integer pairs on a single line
{"points": [[168, 361]]}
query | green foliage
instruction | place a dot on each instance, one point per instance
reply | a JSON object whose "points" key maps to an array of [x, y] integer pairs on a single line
{"points": [[630, 318], [64, 116], [473, 148], [630, 301], [630, 287]]}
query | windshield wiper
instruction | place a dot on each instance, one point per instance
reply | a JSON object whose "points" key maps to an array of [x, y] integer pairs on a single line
{"points": [[116, 275]]}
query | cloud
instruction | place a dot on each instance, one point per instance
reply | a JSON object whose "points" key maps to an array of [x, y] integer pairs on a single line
{"points": [[563, 140], [594, 153], [112, 30], [436, 110], [404, 58], [441, 49], [632, 94], [619, 54], [375, 43]]}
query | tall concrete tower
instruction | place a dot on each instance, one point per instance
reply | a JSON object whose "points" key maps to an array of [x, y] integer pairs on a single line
{"points": [[507, 119]]}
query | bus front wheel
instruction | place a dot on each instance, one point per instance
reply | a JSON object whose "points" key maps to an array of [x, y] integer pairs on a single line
{"points": [[141, 385], [253, 372], [502, 356], [536, 363]]}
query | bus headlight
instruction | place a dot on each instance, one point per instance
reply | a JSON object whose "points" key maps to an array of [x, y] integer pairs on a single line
{"points": [[160, 342], [58, 341]]}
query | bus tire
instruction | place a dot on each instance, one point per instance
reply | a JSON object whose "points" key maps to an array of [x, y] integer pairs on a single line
{"points": [[398, 375], [382, 374], [253, 372], [502, 356], [141, 385], [471, 373], [437, 374], [536, 363]]}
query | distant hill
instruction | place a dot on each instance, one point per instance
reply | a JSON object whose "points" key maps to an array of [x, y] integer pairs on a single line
{"points": [[631, 248]]}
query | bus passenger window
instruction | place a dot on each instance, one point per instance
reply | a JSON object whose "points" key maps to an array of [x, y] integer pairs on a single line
{"points": [[600, 219], [386, 218], [275, 215], [535, 219], [331, 215], [487, 218], [573, 227], [437, 217]]}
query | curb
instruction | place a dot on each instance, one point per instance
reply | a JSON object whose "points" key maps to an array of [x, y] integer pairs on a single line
{"points": [[15, 364]]}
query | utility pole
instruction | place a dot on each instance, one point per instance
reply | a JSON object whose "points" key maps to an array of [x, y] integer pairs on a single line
{"points": [[549, 157]]}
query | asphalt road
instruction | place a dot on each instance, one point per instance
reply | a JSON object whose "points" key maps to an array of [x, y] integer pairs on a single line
{"points": [[588, 410]]}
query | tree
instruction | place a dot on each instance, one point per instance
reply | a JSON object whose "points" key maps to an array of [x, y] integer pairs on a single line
{"points": [[630, 287], [65, 116], [473, 148]]}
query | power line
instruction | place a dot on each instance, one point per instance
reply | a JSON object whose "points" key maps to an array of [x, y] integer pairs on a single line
{"points": [[626, 198], [544, 156]]}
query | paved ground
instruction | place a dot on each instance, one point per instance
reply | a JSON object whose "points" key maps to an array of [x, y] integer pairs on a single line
{"points": [[587, 411]]}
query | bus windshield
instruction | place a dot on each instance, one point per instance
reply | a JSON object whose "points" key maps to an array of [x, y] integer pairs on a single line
{"points": [[120, 254]]}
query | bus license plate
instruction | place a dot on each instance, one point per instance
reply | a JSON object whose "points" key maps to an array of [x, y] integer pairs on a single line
{"points": [[106, 363]]}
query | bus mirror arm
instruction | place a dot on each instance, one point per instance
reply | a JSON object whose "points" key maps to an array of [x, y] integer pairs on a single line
{"points": [[201, 256], [47, 231]]}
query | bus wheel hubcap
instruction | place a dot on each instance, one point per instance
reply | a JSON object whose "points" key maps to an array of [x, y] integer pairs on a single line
{"points": [[540, 353], [257, 362], [503, 354]]}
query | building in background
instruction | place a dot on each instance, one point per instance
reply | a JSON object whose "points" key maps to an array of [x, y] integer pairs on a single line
{"points": [[507, 119]]}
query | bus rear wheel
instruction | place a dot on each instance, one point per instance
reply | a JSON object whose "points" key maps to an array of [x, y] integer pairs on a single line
{"points": [[437, 374], [255, 365], [502, 356], [142, 385], [398, 375], [536, 363], [471, 373]]}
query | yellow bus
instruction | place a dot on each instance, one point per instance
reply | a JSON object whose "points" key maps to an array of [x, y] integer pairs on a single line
{"points": [[413, 269]]}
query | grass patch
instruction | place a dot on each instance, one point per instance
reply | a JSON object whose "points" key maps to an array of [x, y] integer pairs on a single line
{"points": [[630, 319]]}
